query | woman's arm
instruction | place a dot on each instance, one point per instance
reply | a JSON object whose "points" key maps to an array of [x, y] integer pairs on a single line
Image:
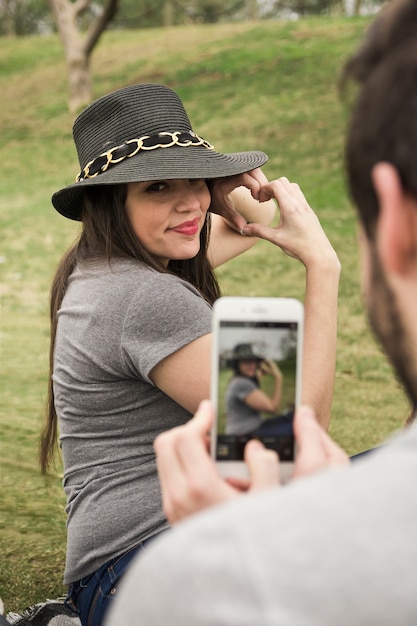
{"points": [[237, 200], [320, 335], [259, 400], [300, 235], [185, 375]]}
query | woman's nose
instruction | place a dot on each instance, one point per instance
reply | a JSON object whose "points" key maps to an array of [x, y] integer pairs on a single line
{"points": [[188, 200]]}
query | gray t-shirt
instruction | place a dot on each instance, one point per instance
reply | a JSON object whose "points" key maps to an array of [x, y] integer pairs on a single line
{"points": [[241, 419], [336, 549], [115, 324]]}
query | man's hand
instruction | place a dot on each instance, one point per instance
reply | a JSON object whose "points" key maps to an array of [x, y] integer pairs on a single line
{"points": [[189, 478], [188, 475], [315, 449]]}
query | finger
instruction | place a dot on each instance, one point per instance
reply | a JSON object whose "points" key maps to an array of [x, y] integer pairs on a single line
{"points": [[261, 182], [252, 184], [335, 454], [263, 465], [203, 484], [286, 192], [241, 484], [315, 449], [254, 181], [175, 450], [273, 235], [170, 473], [191, 439], [235, 220], [259, 230], [223, 204]]}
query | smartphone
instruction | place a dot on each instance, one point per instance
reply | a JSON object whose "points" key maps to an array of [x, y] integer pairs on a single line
{"points": [[256, 379]]}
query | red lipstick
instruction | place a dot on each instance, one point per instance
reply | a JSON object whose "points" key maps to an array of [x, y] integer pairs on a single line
{"points": [[187, 228]]}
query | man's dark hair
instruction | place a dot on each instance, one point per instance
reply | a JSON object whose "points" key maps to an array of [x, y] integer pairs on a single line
{"points": [[383, 124]]}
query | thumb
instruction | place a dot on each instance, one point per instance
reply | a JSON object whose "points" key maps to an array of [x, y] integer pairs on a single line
{"points": [[257, 230], [203, 418], [263, 466], [315, 449]]}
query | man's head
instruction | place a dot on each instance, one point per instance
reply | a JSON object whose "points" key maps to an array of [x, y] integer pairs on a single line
{"points": [[383, 125], [381, 164]]}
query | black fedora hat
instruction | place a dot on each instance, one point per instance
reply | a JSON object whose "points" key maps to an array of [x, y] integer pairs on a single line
{"points": [[140, 133], [243, 352]]}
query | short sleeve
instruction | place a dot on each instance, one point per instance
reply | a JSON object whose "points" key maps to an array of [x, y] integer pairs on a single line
{"points": [[241, 387], [163, 316]]}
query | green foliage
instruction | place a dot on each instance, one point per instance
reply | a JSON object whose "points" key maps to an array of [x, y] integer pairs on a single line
{"points": [[268, 86], [23, 17], [151, 13], [144, 14], [307, 7], [212, 11]]}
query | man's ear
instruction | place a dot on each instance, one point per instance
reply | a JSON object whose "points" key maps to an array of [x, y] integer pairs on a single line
{"points": [[396, 229]]}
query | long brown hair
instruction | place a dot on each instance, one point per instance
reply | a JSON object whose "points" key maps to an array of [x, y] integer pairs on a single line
{"points": [[107, 233]]}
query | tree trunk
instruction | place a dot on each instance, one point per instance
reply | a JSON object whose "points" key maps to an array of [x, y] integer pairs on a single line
{"points": [[78, 47], [8, 19], [357, 7], [253, 8], [168, 13], [79, 79]]}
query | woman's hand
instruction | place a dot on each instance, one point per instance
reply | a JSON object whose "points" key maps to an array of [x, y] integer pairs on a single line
{"points": [[299, 233], [188, 475], [236, 201], [231, 207], [269, 367]]}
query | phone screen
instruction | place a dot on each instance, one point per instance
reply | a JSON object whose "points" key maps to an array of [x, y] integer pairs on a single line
{"points": [[256, 397]]}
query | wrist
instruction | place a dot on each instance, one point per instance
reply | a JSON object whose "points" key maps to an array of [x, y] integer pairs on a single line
{"points": [[327, 264]]}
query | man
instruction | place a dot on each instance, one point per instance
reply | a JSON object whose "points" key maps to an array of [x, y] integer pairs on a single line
{"points": [[337, 547]]}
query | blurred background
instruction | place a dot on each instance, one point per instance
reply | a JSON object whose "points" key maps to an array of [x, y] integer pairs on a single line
{"points": [[253, 75]]}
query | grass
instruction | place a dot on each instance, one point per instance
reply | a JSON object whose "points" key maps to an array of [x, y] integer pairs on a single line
{"points": [[267, 86]]}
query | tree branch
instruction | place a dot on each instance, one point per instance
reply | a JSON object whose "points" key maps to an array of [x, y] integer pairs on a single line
{"points": [[80, 5], [99, 24]]}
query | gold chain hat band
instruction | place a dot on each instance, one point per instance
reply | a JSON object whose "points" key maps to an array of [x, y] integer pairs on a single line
{"points": [[133, 146]]}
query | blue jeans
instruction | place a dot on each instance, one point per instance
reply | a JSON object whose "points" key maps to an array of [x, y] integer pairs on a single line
{"points": [[91, 596]]}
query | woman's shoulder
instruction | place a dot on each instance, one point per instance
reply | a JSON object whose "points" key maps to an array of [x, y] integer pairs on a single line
{"points": [[154, 292], [242, 382], [127, 274]]}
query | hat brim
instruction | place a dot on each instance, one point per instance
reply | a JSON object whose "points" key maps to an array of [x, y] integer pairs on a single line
{"points": [[232, 362], [175, 162]]}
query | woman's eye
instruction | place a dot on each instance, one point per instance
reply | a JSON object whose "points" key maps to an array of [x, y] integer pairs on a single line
{"points": [[156, 186]]}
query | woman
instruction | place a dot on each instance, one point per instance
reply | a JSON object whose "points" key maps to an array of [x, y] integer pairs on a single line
{"points": [[245, 400], [131, 313]]}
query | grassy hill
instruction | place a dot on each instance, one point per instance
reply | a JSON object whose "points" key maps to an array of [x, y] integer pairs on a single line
{"points": [[267, 86]]}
